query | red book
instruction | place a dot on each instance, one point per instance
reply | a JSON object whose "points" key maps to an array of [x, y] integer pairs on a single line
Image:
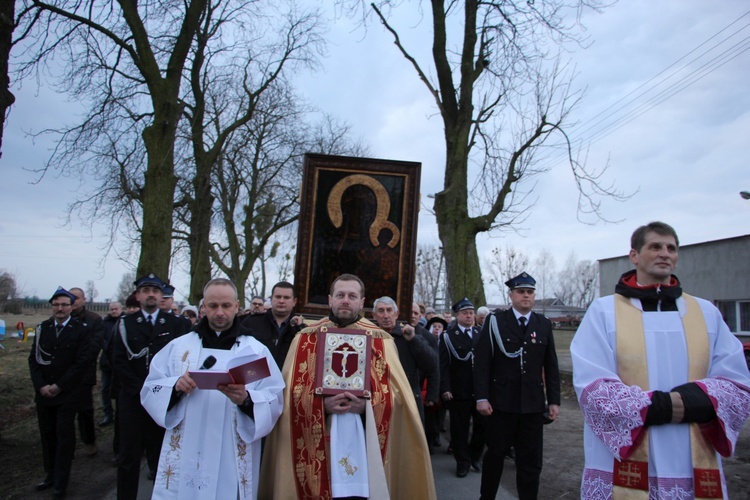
{"points": [[240, 370]]}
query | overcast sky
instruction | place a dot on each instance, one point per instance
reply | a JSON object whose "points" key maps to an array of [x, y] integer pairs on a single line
{"points": [[666, 104]]}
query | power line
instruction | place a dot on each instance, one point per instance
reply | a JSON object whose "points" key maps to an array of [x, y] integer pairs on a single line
{"points": [[672, 89]]}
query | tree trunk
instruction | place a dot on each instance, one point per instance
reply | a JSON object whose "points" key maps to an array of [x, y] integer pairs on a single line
{"points": [[457, 231], [7, 16], [200, 229], [158, 196]]}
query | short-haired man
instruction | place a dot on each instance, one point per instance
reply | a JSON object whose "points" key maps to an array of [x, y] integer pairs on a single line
{"points": [[105, 363], [457, 351], [219, 431], [138, 338], [257, 305], [516, 347], [276, 327], [394, 461], [58, 362], [676, 373], [415, 353], [96, 329]]}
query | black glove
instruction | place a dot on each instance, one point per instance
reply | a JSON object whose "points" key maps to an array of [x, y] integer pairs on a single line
{"points": [[660, 411], [698, 406]]}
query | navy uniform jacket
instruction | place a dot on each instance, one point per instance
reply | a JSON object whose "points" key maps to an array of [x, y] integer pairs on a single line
{"points": [[263, 328], [68, 357], [141, 338], [509, 386], [455, 375]]}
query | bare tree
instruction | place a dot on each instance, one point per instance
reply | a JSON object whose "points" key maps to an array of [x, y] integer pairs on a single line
{"points": [[126, 60], [90, 290], [429, 282], [230, 80], [504, 264], [587, 283], [125, 287], [503, 97], [566, 281], [544, 273], [577, 283], [256, 182], [8, 287]]}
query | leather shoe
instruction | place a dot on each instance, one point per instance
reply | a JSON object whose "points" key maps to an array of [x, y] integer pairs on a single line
{"points": [[462, 471], [105, 421], [44, 484], [91, 450], [58, 493], [476, 466]]}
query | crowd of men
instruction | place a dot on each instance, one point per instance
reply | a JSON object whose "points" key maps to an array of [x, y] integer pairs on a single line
{"points": [[494, 373]]}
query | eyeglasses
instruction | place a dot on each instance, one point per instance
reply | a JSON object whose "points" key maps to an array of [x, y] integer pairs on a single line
{"points": [[62, 305]]}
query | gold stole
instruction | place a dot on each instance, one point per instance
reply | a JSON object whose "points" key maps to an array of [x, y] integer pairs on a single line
{"points": [[630, 477], [308, 427]]}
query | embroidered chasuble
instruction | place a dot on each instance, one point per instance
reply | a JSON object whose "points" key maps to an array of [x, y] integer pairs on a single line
{"points": [[620, 353], [297, 460]]}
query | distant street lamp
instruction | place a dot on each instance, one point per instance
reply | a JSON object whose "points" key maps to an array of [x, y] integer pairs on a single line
{"points": [[745, 195]]}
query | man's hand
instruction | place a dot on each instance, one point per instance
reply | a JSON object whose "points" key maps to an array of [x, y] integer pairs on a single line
{"points": [[554, 412], [447, 396], [50, 391], [297, 320], [185, 383], [344, 402], [484, 408], [235, 392], [408, 332]]}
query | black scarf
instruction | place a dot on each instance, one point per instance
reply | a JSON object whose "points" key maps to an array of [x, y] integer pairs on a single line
{"points": [[650, 296]]}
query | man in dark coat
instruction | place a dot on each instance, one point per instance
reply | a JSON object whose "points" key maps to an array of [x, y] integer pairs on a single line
{"points": [[105, 364], [138, 338], [276, 327], [515, 374], [457, 348], [58, 362], [415, 354], [96, 330]]}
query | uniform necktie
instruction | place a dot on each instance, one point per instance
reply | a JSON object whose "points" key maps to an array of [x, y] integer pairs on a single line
{"points": [[522, 321], [58, 328], [150, 320]]}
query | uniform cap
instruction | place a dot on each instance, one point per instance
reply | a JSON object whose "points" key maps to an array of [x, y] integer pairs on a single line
{"points": [[462, 304], [61, 292], [168, 291], [523, 280], [148, 280]]}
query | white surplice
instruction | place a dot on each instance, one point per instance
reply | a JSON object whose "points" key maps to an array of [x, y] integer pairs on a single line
{"points": [[612, 410], [211, 448]]}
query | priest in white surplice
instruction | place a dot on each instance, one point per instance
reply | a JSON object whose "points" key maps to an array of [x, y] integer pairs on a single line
{"points": [[662, 383], [212, 446]]}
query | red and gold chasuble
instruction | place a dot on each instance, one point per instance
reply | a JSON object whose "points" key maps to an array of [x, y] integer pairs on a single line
{"points": [[308, 426]]}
